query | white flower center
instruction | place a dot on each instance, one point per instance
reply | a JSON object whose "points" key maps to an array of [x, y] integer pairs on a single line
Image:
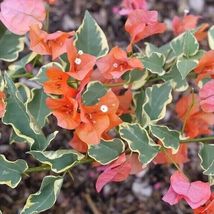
{"points": [[80, 52], [115, 65], [104, 108], [78, 61]]}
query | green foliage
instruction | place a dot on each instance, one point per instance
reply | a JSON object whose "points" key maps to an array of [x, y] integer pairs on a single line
{"points": [[37, 107], [106, 151], [139, 141], [206, 156], [60, 160], [135, 78], [185, 45], [90, 37], [11, 171], [185, 66], [46, 197], [169, 138], [10, 45], [157, 98], [154, 63], [19, 65], [94, 91], [18, 117], [175, 79]]}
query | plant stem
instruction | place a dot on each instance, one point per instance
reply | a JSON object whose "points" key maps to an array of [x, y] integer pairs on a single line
{"points": [[28, 75], [47, 168], [200, 140], [117, 84], [37, 169], [47, 18]]}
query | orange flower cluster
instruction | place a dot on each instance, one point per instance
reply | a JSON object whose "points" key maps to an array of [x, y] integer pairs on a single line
{"points": [[189, 22], [91, 123], [197, 122]]}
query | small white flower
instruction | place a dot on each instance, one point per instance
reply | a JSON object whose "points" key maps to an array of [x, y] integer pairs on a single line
{"points": [[115, 65], [80, 52], [78, 61], [104, 108]]}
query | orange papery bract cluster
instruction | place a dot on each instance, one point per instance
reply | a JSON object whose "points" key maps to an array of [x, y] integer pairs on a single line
{"points": [[53, 44], [205, 67], [189, 22], [142, 24], [197, 122]]}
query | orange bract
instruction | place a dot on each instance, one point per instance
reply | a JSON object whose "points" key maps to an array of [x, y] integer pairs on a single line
{"points": [[53, 44], [65, 110], [51, 1], [81, 64], [205, 66], [180, 25], [141, 24], [98, 119], [167, 157], [201, 32], [197, 121], [57, 82], [77, 144], [116, 63], [2, 104], [189, 22]]}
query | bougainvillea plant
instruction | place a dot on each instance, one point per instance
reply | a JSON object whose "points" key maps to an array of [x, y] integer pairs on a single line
{"points": [[115, 102]]}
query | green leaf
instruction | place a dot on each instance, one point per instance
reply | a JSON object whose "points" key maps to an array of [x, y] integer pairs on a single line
{"points": [[139, 99], [90, 37], [164, 50], [185, 66], [139, 141], [37, 106], [20, 64], [185, 44], [169, 138], [135, 78], [154, 63], [45, 198], [158, 97], [11, 45], [11, 171], [106, 151], [211, 37], [94, 91], [24, 92], [206, 155], [175, 79], [60, 160], [16, 115]]}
